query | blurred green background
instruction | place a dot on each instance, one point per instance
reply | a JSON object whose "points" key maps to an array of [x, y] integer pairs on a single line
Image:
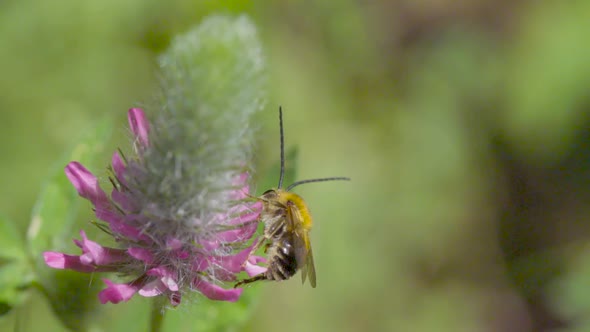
{"points": [[463, 124]]}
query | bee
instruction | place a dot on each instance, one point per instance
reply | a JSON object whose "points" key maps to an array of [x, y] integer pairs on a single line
{"points": [[287, 223]]}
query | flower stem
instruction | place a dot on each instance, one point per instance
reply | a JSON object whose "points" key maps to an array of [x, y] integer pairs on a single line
{"points": [[157, 315]]}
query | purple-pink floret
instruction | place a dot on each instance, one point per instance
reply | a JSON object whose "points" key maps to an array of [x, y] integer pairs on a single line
{"points": [[139, 255]]}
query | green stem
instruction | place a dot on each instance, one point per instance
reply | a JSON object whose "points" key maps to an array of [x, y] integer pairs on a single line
{"points": [[157, 315]]}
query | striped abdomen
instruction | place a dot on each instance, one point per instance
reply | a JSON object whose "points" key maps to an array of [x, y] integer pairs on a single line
{"points": [[283, 262]]}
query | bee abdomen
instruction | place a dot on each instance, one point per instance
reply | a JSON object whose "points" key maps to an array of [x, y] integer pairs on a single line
{"points": [[283, 264]]}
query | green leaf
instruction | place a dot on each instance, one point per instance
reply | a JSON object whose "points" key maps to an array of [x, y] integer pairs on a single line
{"points": [[56, 207], [51, 229], [72, 296], [15, 279], [11, 243], [15, 272]]}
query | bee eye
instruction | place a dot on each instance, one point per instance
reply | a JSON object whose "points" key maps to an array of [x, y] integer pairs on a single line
{"points": [[270, 194]]}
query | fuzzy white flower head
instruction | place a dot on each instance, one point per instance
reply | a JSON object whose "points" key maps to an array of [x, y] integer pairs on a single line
{"points": [[180, 209]]}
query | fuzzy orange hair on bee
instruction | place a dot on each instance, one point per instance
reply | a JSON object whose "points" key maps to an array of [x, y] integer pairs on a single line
{"points": [[287, 224]]}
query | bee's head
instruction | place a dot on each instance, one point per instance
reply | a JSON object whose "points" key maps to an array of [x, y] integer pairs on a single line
{"points": [[270, 195]]}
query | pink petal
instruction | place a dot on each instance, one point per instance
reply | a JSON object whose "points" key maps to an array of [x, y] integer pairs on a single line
{"points": [[249, 226], [116, 293], [214, 292], [123, 200], [118, 224], [121, 226], [173, 243], [181, 254], [242, 182], [141, 254], [200, 264], [166, 277], [108, 214], [156, 287], [245, 213], [58, 260], [119, 167], [256, 259], [234, 263], [236, 235], [241, 179], [209, 245], [251, 215], [86, 184], [151, 289], [226, 267], [170, 283], [95, 254], [254, 270], [139, 125], [224, 275], [129, 232], [159, 271]]}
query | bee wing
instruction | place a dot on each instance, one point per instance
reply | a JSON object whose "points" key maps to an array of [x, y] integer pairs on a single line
{"points": [[301, 253], [303, 273], [304, 256], [309, 267], [302, 246]]}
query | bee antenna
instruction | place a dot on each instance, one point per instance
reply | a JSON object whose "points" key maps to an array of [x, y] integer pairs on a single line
{"points": [[282, 176], [338, 178]]}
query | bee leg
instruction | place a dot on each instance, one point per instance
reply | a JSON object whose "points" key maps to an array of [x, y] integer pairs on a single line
{"points": [[250, 280], [237, 226], [264, 239], [256, 246]]}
